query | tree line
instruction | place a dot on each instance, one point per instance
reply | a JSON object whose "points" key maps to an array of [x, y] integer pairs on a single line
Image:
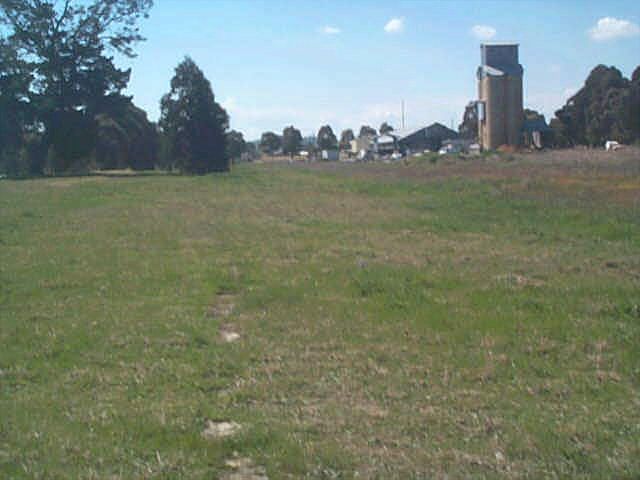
{"points": [[607, 107], [291, 142], [62, 107]]}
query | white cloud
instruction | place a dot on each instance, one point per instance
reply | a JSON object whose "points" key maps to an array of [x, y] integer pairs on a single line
{"points": [[609, 28], [395, 25], [483, 32], [329, 30]]}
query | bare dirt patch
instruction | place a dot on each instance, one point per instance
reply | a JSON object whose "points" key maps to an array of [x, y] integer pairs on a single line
{"points": [[223, 306], [229, 333], [244, 469], [220, 429]]}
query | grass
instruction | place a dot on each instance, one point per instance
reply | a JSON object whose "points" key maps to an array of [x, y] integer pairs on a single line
{"points": [[471, 318]]}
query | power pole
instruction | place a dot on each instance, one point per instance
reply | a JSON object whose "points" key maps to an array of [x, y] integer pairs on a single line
{"points": [[403, 114]]}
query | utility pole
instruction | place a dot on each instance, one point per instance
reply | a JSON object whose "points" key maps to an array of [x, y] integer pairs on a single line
{"points": [[403, 114]]}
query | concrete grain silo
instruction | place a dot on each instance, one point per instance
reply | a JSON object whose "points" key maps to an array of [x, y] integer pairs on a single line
{"points": [[500, 106]]}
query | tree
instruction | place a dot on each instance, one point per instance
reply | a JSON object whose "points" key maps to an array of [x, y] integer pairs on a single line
{"points": [[270, 143], [291, 141], [385, 128], [631, 108], [195, 124], [326, 138], [345, 139], [367, 131], [65, 46], [603, 109], [15, 110], [560, 136], [126, 139], [251, 150], [236, 145], [468, 129]]}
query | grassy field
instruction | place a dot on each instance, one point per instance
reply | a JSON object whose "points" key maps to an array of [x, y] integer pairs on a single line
{"points": [[464, 318]]}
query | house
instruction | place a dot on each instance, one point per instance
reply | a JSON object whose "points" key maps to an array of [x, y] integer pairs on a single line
{"points": [[386, 144]]}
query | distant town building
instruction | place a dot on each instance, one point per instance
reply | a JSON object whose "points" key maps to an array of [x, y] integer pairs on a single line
{"points": [[386, 144], [455, 145], [500, 107], [360, 144], [330, 155], [536, 132], [424, 138]]}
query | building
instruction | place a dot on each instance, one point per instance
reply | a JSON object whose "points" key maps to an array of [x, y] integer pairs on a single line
{"points": [[536, 133], [455, 145], [362, 144], [386, 144], [425, 138], [330, 155], [500, 107]]}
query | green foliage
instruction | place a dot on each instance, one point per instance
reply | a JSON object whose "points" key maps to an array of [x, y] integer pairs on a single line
{"points": [[60, 50], [367, 131], [291, 141], [606, 108], [326, 139], [194, 123], [236, 145], [345, 139], [468, 129], [270, 143], [126, 139], [15, 110], [385, 128]]}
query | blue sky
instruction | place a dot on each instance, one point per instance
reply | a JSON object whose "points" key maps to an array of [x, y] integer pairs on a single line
{"points": [[309, 63]]}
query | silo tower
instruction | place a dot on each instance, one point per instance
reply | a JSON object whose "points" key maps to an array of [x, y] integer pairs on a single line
{"points": [[500, 107]]}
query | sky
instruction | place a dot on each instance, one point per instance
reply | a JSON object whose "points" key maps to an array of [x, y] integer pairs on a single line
{"points": [[309, 63]]}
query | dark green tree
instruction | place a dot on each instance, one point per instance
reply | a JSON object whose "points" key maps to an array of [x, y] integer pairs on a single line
{"points": [[603, 109], [291, 141], [270, 143], [251, 149], [560, 136], [126, 139], [385, 128], [65, 44], [469, 127], [631, 108], [367, 131], [345, 139], [236, 145], [326, 139], [15, 111], [194, 123]]}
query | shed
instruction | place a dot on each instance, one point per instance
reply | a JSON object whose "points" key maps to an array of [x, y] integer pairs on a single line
{"points": [[535, 132], [424, 138], [330, 155]]}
